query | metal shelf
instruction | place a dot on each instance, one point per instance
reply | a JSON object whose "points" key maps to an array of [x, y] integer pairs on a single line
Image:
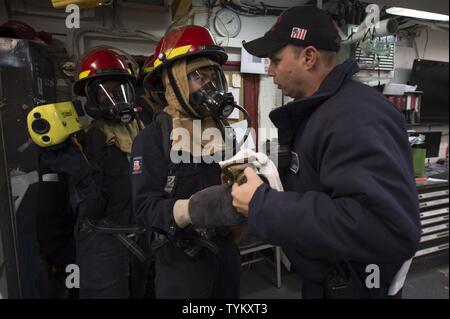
{"points": [[427, 238], [433, 194], [434, 217]]}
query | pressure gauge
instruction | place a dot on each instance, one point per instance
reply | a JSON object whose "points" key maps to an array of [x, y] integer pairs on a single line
{"points": [[227, 23]]}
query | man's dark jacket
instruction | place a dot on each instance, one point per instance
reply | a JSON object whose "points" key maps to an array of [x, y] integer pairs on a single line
{"points": [[350, 192]]}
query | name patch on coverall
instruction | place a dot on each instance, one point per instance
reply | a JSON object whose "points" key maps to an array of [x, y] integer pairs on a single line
{"points": [[170, 184], [137, 165]]}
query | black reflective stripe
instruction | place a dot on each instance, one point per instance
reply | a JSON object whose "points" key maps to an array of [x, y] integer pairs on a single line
{"points": [[133, 247], [119, 232], [111, 228]]}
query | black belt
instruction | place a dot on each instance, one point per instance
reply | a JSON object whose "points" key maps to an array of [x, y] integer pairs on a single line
{"points": [[191, 243], [196, 243], [119, 231]]}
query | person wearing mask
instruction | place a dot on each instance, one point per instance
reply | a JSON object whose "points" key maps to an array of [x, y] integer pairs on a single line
{"points": [[97, 174], [176, 182]]}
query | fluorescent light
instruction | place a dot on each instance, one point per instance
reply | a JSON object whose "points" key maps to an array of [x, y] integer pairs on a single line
{"points": [[417, 14]]}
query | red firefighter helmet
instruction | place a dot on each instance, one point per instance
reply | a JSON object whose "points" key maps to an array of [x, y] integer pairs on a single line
{"points": [[148, 64], [17, 29], [101, 62], [147, 67], [187, 41], [20, 30]]}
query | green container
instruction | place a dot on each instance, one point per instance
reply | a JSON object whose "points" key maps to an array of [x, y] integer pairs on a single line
{"points": [[419, 161]]}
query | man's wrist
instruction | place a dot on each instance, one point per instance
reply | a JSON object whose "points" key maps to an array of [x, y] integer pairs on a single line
{"points": [[259, 189]]}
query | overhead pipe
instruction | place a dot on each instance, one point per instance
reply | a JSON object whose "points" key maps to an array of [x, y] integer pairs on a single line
{"points": [[381, 29]]}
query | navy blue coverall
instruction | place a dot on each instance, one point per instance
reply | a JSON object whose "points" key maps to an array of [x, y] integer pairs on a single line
{"points": [[349, 191], [156, 186]]}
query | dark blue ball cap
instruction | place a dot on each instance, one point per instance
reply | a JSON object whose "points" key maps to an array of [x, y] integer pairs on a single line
{"points": [[301, 26]]}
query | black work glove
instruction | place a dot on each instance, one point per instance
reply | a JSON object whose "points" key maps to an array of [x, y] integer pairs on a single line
{"points": [[66, 159], [84, 178], [209, 208]]}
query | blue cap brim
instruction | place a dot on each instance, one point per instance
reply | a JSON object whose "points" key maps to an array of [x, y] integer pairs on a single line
{"points": [[263, 47]]}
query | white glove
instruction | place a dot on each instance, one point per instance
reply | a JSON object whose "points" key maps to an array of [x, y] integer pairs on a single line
{"points": [[261, 163]]}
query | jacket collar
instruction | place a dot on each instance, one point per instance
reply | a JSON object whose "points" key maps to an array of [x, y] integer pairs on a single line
{"points": [[288, 118]]}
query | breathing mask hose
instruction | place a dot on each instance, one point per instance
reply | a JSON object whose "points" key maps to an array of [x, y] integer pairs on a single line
{"points": [[222, 123], [177, 91], [249, 125]]}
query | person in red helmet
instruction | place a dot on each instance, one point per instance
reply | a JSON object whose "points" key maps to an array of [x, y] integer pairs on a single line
{"points": [[107, 79], [182, 202], [99, 179]]}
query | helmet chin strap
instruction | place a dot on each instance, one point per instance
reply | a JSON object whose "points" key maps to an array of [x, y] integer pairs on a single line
{"points": [[221, 124], [178, 94]]}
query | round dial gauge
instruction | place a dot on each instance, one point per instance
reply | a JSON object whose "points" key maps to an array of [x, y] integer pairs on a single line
{"points": [[227, 23]]}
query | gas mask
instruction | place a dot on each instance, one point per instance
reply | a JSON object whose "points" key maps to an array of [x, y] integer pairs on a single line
{"points": [[209, 95], [111, 99]]}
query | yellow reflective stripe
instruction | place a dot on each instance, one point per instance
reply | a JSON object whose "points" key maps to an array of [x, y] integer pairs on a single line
{"points": [[174, 53], [84, 74], [148, 69]]}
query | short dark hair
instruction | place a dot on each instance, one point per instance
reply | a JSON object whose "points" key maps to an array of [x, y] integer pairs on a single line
{"points": [[328, 57]]}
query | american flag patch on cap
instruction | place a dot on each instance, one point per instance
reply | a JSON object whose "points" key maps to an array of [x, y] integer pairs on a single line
{"points": [[298, 33]]}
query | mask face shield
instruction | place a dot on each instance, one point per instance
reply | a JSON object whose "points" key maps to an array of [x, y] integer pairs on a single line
{"points": [[114, 98], [208, 93]]}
